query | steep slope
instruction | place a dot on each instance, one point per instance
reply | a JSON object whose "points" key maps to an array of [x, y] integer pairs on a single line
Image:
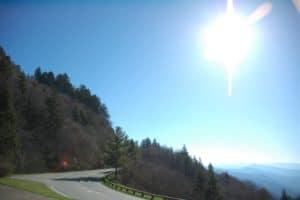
{"points": [[54, 130], [159, 169]]}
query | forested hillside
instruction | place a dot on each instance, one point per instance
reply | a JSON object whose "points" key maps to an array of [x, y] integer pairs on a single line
{"points": [[47, 124], [162, 170]]}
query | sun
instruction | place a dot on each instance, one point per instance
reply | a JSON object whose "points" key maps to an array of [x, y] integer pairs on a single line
{"points": [[229, 39]]}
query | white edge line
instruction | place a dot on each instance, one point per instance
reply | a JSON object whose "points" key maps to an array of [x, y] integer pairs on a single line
{"points": [[55, 190]]}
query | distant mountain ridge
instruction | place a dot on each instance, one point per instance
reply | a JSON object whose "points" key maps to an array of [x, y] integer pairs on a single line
{"points": [[274, 177]]}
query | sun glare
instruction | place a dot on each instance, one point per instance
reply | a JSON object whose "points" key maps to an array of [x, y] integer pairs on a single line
{"points": [[228, 40]]}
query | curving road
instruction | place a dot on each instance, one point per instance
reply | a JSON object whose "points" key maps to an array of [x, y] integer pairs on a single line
{"points": [[78, 185]]}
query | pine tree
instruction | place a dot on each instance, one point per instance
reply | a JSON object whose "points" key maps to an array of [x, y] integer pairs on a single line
{"points": [[38, 74], [200, 184], [63, 84], [22, 83], [53, 125], [212, 191], [132, 149], [54, 118], [8, 128], [115, 149]]}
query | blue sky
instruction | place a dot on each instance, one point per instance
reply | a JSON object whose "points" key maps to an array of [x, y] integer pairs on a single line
{"points": [[145, 61]]}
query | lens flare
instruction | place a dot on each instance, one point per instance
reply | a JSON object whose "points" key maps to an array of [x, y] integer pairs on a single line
{"points": [[260, 13], [229, 39]]}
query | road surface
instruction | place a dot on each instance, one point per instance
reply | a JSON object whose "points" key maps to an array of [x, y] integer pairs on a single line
{"points": [[79, 185]]}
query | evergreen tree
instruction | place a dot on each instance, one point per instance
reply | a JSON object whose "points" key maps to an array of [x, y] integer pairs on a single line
{"points": [[5, 66], [132, 149], [63, 84], [22, 83], [186, 160], [284, 195], [146, 143], [115, 149], [8, 128], [48, 78], [200, 184], [54, 115], [212, 191], [53, 125], [38, 74]]}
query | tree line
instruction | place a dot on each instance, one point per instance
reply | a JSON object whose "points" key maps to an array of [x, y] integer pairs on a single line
{"points": [[62, 83], [152, 167]]}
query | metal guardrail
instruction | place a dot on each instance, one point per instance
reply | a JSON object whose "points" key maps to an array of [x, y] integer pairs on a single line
{"points": [[137, 193]]}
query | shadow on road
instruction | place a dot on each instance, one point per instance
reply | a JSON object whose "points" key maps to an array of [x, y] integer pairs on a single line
{"points": [[93, 179]]}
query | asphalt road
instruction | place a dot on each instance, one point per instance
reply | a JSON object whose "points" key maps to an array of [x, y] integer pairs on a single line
{"points": [[78, 185]]}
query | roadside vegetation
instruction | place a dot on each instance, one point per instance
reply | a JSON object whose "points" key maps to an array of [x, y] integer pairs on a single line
{"points": [[31, 186]]}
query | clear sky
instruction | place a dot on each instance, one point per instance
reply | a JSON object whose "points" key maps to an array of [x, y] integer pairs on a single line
{"points": [[144, 59]]}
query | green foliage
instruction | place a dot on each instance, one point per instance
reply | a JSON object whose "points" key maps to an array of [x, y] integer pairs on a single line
{"points": [[9, 143], [131, 150], [38, 74], [8, 128], [39, 114], [62, 83], [146, 143], [54, 115], [5, 66], [53, 124], [212, 190], [200, 184], [7, 122], [22, 83], [116, 148]]}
